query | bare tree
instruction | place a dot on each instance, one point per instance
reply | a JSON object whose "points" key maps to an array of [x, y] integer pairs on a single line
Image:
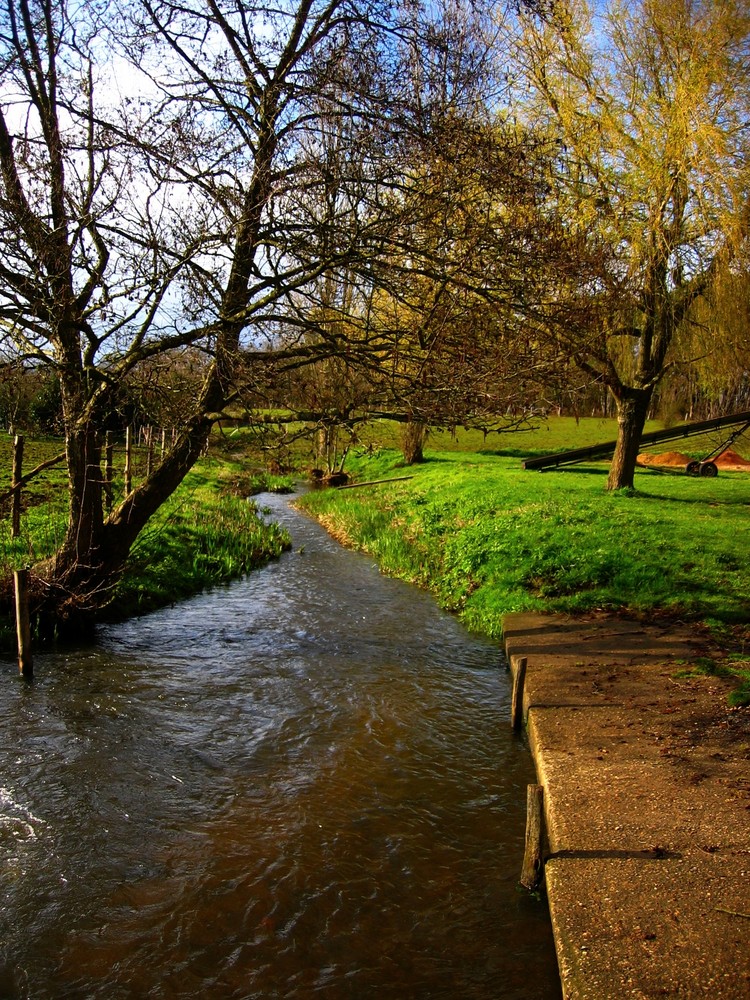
{"points": [[230, 184]]}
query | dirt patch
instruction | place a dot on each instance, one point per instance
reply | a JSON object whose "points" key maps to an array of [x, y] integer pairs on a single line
{"points": [[597, 659], [730, 461], [667, 458], [733, 461]]}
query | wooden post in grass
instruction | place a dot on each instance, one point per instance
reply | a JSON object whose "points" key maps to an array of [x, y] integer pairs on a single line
{"points": [[149, 434], [128, 460], [532, 871], [15, 510], [516, 705], [108, 469], [23, 622]]}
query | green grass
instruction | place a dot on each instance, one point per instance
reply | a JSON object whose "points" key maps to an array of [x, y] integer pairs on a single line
{"points": [[489, 537], [539, 437], [734, 665], [486, 536], [201, 537], [44, 505], [208, 532], [543, 437]]}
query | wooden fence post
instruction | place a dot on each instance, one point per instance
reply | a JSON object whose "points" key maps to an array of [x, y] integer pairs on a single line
{"points": [[516, 705], [128, 460], [108, 469], [149, 435], [532, 871], [23, 623], [15, 510]]}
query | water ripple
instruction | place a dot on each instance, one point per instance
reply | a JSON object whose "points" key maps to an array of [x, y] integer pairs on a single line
{"points": [[299, 785]]}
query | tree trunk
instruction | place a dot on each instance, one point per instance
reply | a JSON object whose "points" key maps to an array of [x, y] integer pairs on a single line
{"points": [[413, 436], [632, 407], [85, 516], [81, 577], [125, 523]]}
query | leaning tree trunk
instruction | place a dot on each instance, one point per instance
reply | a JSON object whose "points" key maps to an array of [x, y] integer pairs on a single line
{"points": [[632, 408], [80, 578]]}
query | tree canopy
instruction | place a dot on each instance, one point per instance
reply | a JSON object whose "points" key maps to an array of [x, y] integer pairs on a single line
{"points": [[228, 178]]}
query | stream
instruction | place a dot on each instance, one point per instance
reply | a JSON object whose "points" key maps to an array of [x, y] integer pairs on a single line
{"points": [[303, 784]]}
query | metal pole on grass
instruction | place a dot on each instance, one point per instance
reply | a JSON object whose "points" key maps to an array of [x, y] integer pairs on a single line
{"points": [[15, 513], [128, 460]]}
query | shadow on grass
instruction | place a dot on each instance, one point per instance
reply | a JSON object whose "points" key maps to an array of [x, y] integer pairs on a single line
{"points": [[579, 470], [695, 501], [520, 452], [427, 460]]}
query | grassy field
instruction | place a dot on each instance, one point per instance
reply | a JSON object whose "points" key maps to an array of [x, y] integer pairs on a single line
{"points": [[544, 437], [488, 537]]}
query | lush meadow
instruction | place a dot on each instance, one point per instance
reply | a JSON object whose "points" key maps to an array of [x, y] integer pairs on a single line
{"points": [[488, 537], [483, 534]]}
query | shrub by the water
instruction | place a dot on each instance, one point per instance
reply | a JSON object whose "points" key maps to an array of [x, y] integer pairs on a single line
{"points": [[192, 545]]}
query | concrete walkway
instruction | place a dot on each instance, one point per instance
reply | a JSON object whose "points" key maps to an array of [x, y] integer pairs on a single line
{"points": [[646, 775]]}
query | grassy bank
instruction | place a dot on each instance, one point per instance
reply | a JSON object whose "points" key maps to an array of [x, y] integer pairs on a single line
{"points": [[487, 537], [207, 533]]}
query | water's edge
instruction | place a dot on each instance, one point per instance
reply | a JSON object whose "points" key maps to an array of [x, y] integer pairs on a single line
{"points": [[302, 784]]}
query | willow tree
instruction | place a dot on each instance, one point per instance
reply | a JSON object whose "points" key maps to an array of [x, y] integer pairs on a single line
{"points": [[164, 187], [713, 364], [647, 101]]}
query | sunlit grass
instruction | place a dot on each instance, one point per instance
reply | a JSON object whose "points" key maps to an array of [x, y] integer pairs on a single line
{"points": [[198, 539], [488, 537], [207, 533]]}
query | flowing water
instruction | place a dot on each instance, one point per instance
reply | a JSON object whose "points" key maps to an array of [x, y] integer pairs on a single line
{"points": [[301, 785]]}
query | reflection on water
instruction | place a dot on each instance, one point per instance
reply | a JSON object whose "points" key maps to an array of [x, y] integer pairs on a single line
{"points": [[300, 785]]}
